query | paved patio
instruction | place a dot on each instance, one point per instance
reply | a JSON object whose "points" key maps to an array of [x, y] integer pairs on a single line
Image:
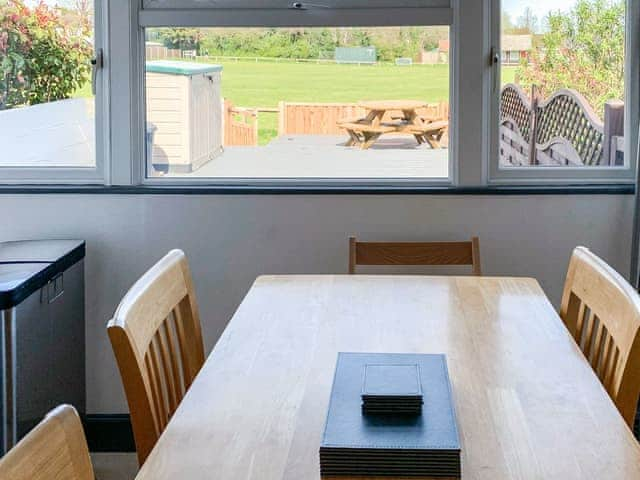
{"points": [[326, 156]]}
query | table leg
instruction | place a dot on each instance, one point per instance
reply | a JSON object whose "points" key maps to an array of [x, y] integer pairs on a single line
{"points": [[354, 139], [369, 139], [431, 140]]}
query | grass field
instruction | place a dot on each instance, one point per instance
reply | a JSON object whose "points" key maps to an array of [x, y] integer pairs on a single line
{"points": [[249, 84], [264, 84]]}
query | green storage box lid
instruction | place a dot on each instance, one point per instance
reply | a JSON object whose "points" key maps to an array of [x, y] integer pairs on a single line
{"points": [[181, 68]]}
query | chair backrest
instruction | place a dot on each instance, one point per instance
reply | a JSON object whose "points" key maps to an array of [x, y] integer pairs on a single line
{"points": [[415, 253], [602, 313], [157, 340], [55, 449]]}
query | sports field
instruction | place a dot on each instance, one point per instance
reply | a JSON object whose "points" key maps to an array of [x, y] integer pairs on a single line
{"points": [[264, 84]]}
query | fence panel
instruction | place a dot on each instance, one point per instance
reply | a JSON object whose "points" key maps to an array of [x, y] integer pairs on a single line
{"points": [[322, 118], [240, 126], [160, 52]]}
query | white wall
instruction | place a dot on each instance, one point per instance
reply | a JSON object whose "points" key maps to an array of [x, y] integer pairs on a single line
{"points": [[232, 239]]}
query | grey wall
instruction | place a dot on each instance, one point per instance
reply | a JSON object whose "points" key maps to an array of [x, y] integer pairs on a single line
{"points": [[232, 239]]}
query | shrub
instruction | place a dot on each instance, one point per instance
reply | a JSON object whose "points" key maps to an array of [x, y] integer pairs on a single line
{"points": [[582, 50], [41, 60]]}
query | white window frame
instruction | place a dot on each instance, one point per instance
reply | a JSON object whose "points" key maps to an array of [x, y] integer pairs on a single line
{"points": [[128, 164], [560, 174], [99, 173]]}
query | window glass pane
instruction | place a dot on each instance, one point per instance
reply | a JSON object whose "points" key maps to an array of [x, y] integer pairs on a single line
{"points": [[297, 103], [562, 95], [47, 110]]}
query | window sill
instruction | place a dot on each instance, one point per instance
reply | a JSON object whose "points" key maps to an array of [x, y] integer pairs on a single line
{"points": [[609, 189]]}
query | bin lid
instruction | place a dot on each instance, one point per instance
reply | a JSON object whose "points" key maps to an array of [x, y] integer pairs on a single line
{"points": [[27, 265], [55, 251], [174, 67], [19, 280]]}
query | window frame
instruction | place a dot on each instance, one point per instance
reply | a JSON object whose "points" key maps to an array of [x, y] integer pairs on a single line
{"points": [[98, 174], [135, 172], [560, 174]]}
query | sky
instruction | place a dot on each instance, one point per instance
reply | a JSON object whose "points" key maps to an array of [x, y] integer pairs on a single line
{"points": [[540, 8]]}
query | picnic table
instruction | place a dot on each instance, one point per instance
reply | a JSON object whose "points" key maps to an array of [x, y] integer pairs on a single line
{"points": [[393, 116]]}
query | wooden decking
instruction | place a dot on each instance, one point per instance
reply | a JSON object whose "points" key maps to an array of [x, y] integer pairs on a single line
{"points": [[325, 156]]}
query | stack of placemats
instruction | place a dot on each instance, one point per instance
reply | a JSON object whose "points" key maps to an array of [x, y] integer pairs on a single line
{"points": [[391, 389], [388, 443]]}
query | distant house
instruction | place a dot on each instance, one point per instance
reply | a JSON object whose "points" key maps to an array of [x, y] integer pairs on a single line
{"points": [[439, 55], [515, 48]]}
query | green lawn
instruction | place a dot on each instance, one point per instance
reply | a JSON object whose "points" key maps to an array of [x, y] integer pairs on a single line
{"points": [[250, 84], [264, 84]]}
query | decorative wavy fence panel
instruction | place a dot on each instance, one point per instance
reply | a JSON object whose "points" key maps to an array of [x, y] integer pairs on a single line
{"points": [[561, 130]]}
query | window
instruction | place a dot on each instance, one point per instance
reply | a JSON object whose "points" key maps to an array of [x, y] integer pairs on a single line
{"points": [[48, 106], [342, 91], [565, 76], [297, 103]]}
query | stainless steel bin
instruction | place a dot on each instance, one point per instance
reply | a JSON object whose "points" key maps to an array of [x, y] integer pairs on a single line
{"points": [[42, 339]]}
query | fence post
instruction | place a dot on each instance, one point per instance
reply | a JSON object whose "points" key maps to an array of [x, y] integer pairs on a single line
{"points": [[533, 126], [226, 122], [613, 127], [282, 122]]}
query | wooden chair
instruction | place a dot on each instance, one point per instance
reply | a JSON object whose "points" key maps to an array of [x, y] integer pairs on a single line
{"points": [[602, 312], [156, 337], [415, 253], [55, 449]]}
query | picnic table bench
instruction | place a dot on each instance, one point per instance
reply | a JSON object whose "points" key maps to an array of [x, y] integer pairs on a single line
{"points": [[364, 131]]}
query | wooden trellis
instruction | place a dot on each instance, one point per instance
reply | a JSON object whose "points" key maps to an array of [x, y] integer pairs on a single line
{"points": [[561, 130]]}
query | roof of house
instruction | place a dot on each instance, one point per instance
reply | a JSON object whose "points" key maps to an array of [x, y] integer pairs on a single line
{"points": [[516, 43]]}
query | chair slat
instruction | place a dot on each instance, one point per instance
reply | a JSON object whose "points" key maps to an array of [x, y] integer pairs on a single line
{"points": [[607, 351], [589, 334], [172, 364], [155, 391]]}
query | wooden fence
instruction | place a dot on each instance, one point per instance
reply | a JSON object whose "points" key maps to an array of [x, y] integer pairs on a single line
{"points": [[561, 130], [240, 125], [322, 118], [160, 52]]}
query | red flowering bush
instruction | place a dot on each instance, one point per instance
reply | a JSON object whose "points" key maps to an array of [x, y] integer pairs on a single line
{"points": [[41, 59]]}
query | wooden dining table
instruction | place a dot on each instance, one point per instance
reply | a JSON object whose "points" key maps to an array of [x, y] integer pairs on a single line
{"points": [[528, 404]]}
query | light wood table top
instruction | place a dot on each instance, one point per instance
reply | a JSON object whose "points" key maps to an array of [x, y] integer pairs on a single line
{"points": [[528, 404], [393, 104]]}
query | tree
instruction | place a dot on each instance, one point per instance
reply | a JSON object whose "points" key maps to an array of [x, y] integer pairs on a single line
{"points": [[582, 49], [527, 22], [506, 24], [181, 38]]}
